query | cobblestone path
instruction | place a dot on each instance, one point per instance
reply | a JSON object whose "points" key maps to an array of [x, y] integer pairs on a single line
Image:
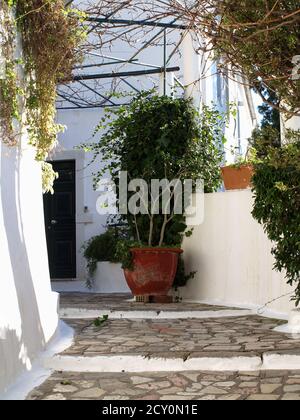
{"points": [[269, 385], [199, 338]]}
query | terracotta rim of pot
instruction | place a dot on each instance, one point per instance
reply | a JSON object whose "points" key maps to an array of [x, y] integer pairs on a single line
{"points": [[240, 167]]}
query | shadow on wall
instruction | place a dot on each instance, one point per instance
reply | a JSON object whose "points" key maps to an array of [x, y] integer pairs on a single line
{"points": [[17, 348]]}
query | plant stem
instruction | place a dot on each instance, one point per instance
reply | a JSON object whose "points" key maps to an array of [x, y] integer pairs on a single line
{"points": [[151, 230], [163, 229], [137, 230]]}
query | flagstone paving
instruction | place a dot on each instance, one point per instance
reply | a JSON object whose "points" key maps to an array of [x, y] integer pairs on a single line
{"points": [[268, 385], [124, 302], [181, 338], [222, 337]]}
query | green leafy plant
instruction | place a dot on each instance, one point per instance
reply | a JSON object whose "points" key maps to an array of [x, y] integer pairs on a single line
{"points": [[259, 38], [65, 383], [159, 138], [51, 34], [276, 187], [100, 248], [268, 134], [249, 159], [123, 254], [98, 322], [181, 277], [9, 83]]}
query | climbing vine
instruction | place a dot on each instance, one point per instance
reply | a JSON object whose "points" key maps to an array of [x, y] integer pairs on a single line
{"points": [[9, 88], [276, 187], [50, 34]]}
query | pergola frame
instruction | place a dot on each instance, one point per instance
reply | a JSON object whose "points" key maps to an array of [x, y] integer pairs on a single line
{"points": [[73, 99]]}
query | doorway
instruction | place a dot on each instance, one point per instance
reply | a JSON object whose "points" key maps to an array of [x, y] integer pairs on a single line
{"points": [[60, 222]]}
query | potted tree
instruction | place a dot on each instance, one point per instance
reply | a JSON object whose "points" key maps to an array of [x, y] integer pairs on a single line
{"points": [[157, 138]]}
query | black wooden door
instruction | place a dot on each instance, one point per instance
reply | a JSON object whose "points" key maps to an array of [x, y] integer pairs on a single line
{"points": [[60, 222]]}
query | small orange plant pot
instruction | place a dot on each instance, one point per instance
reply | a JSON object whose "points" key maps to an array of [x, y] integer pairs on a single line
{"points": [[237, 178]]}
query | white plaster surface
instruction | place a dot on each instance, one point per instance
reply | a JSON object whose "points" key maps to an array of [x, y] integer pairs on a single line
{"points": [[109, 278], [127, 363], [142, 364], [75, 313], [255, 309], [27, 381], [28, 307], [70, 286], [232, 257], [293, 326], [281, 362]]}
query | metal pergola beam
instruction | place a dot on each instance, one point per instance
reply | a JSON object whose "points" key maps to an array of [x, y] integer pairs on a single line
{"points": [[151, 69], [110, 63], [124, 74], [96, 93], [90, 106], [65, 98], [138, 23]]}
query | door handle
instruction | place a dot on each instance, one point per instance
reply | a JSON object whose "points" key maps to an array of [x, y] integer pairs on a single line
{"points": [[53, 222]]}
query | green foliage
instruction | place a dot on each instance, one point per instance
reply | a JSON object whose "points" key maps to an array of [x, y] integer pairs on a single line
{"points": [[159, 138], [259, 38], [100, 248], [271, 114], [123, 254], [268, 134], [48, 177], [9, 85], [249, 159], [51, 34], [98, 322], [276, 187], [263, 138], [181, 278], [156, 138]]}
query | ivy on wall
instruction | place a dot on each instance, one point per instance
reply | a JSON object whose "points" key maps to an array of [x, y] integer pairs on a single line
{"points": [[276, 187], [50, 36], [9, 89]]}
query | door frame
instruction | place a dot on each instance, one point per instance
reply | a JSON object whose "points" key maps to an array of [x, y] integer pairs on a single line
{"points": [[79, 157]]}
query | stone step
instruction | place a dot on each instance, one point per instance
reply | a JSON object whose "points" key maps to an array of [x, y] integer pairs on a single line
{"points": [[193, 385], [88, 313], [137, 363], [230, 343]]}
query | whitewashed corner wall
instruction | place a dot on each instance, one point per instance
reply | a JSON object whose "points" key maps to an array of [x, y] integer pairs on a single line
{"points": [[232, 256], [28, 307]]}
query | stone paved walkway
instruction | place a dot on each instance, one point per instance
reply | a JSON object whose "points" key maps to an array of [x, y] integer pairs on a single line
{"points": [[124, 302], [222, 337], [175, 339], [270, 385]]}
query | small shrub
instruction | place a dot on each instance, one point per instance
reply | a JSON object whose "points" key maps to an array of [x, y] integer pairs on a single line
{"points": [[100, 248]]}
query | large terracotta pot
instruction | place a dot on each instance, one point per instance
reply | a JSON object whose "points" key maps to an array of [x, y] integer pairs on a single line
{"points": [[237, 178], [154, 270]]}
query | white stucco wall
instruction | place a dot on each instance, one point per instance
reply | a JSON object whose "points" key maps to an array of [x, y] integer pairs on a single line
{"points": [[28, 307], [232, 256], [80, 125], [293, 123]]}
